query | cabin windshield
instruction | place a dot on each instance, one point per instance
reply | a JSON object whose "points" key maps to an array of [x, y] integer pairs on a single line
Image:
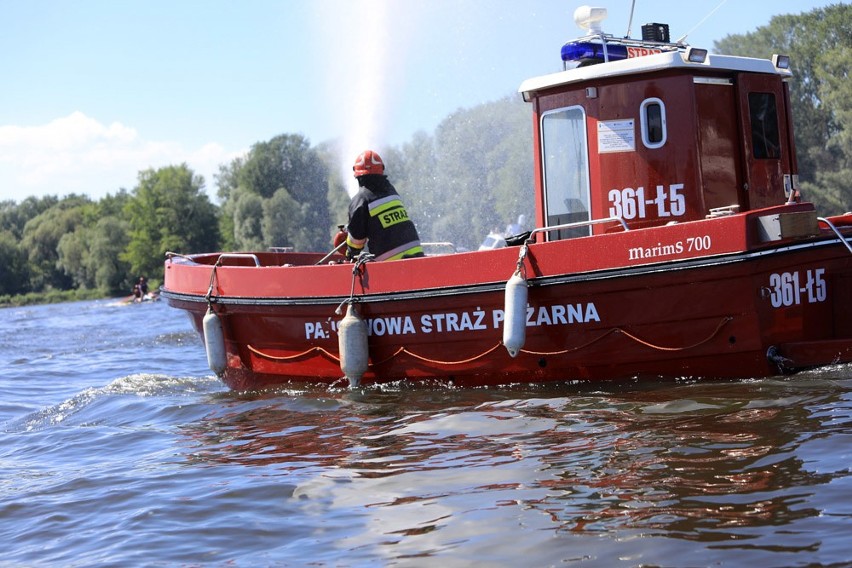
{"points": [[565, 159]]}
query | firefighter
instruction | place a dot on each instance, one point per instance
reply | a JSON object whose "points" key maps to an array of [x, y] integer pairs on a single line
{"points": [[377, 215]]}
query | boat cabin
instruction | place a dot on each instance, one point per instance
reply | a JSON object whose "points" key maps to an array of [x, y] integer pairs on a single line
{"points": [[656, 132]]}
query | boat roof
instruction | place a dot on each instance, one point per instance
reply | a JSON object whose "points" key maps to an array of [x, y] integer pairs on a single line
{"points": [[649, 63]]}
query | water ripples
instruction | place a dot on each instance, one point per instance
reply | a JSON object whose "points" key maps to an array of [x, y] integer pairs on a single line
{"points": [[120, 448]]}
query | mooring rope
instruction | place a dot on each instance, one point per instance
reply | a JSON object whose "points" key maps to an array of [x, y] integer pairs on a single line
{"points": [[639, 340], [209, 295], [461, 362], [360, 261], [398, 352], [572, 349], [404, 350], [520, 267], [293, 357], [694, 345]]}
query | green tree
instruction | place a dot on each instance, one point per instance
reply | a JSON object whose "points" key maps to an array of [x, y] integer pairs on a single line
{"points": [[108, 240], [413, 171], [297, 217], [14, 216], [14, 276], [284, 222], [40, 240], [248, 218], [168, 211], [818, 45], [113, 205], [336, 193], [835, 184], [286, 161], [91, 256], [74, 256], [474, 175], [227, 184]]}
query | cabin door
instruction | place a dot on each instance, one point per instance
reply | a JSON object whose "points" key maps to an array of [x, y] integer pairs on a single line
{"points": [[764, 132], [719, 144]]}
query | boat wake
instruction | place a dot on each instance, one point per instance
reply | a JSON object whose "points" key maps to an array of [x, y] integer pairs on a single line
{"points": [[187, 337], [97, 405]]}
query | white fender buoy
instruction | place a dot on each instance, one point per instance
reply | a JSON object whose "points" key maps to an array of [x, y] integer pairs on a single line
{"points": [[515, 314], [214, 342], [352, 341]]}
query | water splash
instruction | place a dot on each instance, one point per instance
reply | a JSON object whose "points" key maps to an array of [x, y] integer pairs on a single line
{"points": [[365, 73], [371, 67]]}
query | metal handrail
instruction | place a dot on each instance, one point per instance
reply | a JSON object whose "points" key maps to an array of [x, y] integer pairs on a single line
{"points": [[170, 255], [251, 256], [440, 244], [579, 224], [248, 255], [836, 232]]}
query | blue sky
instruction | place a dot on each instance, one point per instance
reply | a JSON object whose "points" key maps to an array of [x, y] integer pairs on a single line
{"points": [[95, 91]]}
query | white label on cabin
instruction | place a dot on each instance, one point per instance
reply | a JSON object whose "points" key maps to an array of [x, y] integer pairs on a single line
{"points": [[616, 136]]}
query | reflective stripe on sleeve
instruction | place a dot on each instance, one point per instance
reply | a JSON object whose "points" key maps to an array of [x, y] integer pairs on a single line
{"points": [[397, 253], [355, 243]]}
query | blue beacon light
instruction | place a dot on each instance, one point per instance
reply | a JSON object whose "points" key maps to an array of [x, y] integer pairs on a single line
{"points": [[598, 47], [587, 50]]}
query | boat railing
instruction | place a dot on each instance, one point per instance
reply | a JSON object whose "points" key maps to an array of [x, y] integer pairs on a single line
{"points": [[238, 255], [235, 255], [836, 232], [170, 255], [437, 246], [578, 224]]}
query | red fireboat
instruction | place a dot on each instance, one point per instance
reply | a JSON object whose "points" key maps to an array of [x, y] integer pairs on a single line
{"points": [[671, 241]]}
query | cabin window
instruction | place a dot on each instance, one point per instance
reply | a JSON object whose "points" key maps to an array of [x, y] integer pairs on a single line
{"points": [[565, 156], [763, 112], [652, 115]]}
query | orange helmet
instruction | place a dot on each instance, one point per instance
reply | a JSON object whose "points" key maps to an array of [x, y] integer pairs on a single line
{"points": [[368, 162]]}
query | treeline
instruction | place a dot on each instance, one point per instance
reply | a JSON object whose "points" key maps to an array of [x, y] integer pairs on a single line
{"points": [[52, 244], [472, 175], [819, 44]]}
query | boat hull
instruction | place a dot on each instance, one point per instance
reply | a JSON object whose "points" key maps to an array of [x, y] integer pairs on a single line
{"points": [[596, 310]]}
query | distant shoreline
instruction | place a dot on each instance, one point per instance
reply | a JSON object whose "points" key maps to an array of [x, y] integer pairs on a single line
{"points": [[54, 297]]}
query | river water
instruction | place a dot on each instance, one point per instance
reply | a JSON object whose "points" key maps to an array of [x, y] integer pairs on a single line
{"points": [[119, 448]]}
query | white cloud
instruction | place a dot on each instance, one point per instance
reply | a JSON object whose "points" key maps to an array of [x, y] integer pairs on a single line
{"points": [[79, 154]]}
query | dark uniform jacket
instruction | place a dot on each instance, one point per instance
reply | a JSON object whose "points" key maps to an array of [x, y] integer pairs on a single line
{"points": [[377, 215]]}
